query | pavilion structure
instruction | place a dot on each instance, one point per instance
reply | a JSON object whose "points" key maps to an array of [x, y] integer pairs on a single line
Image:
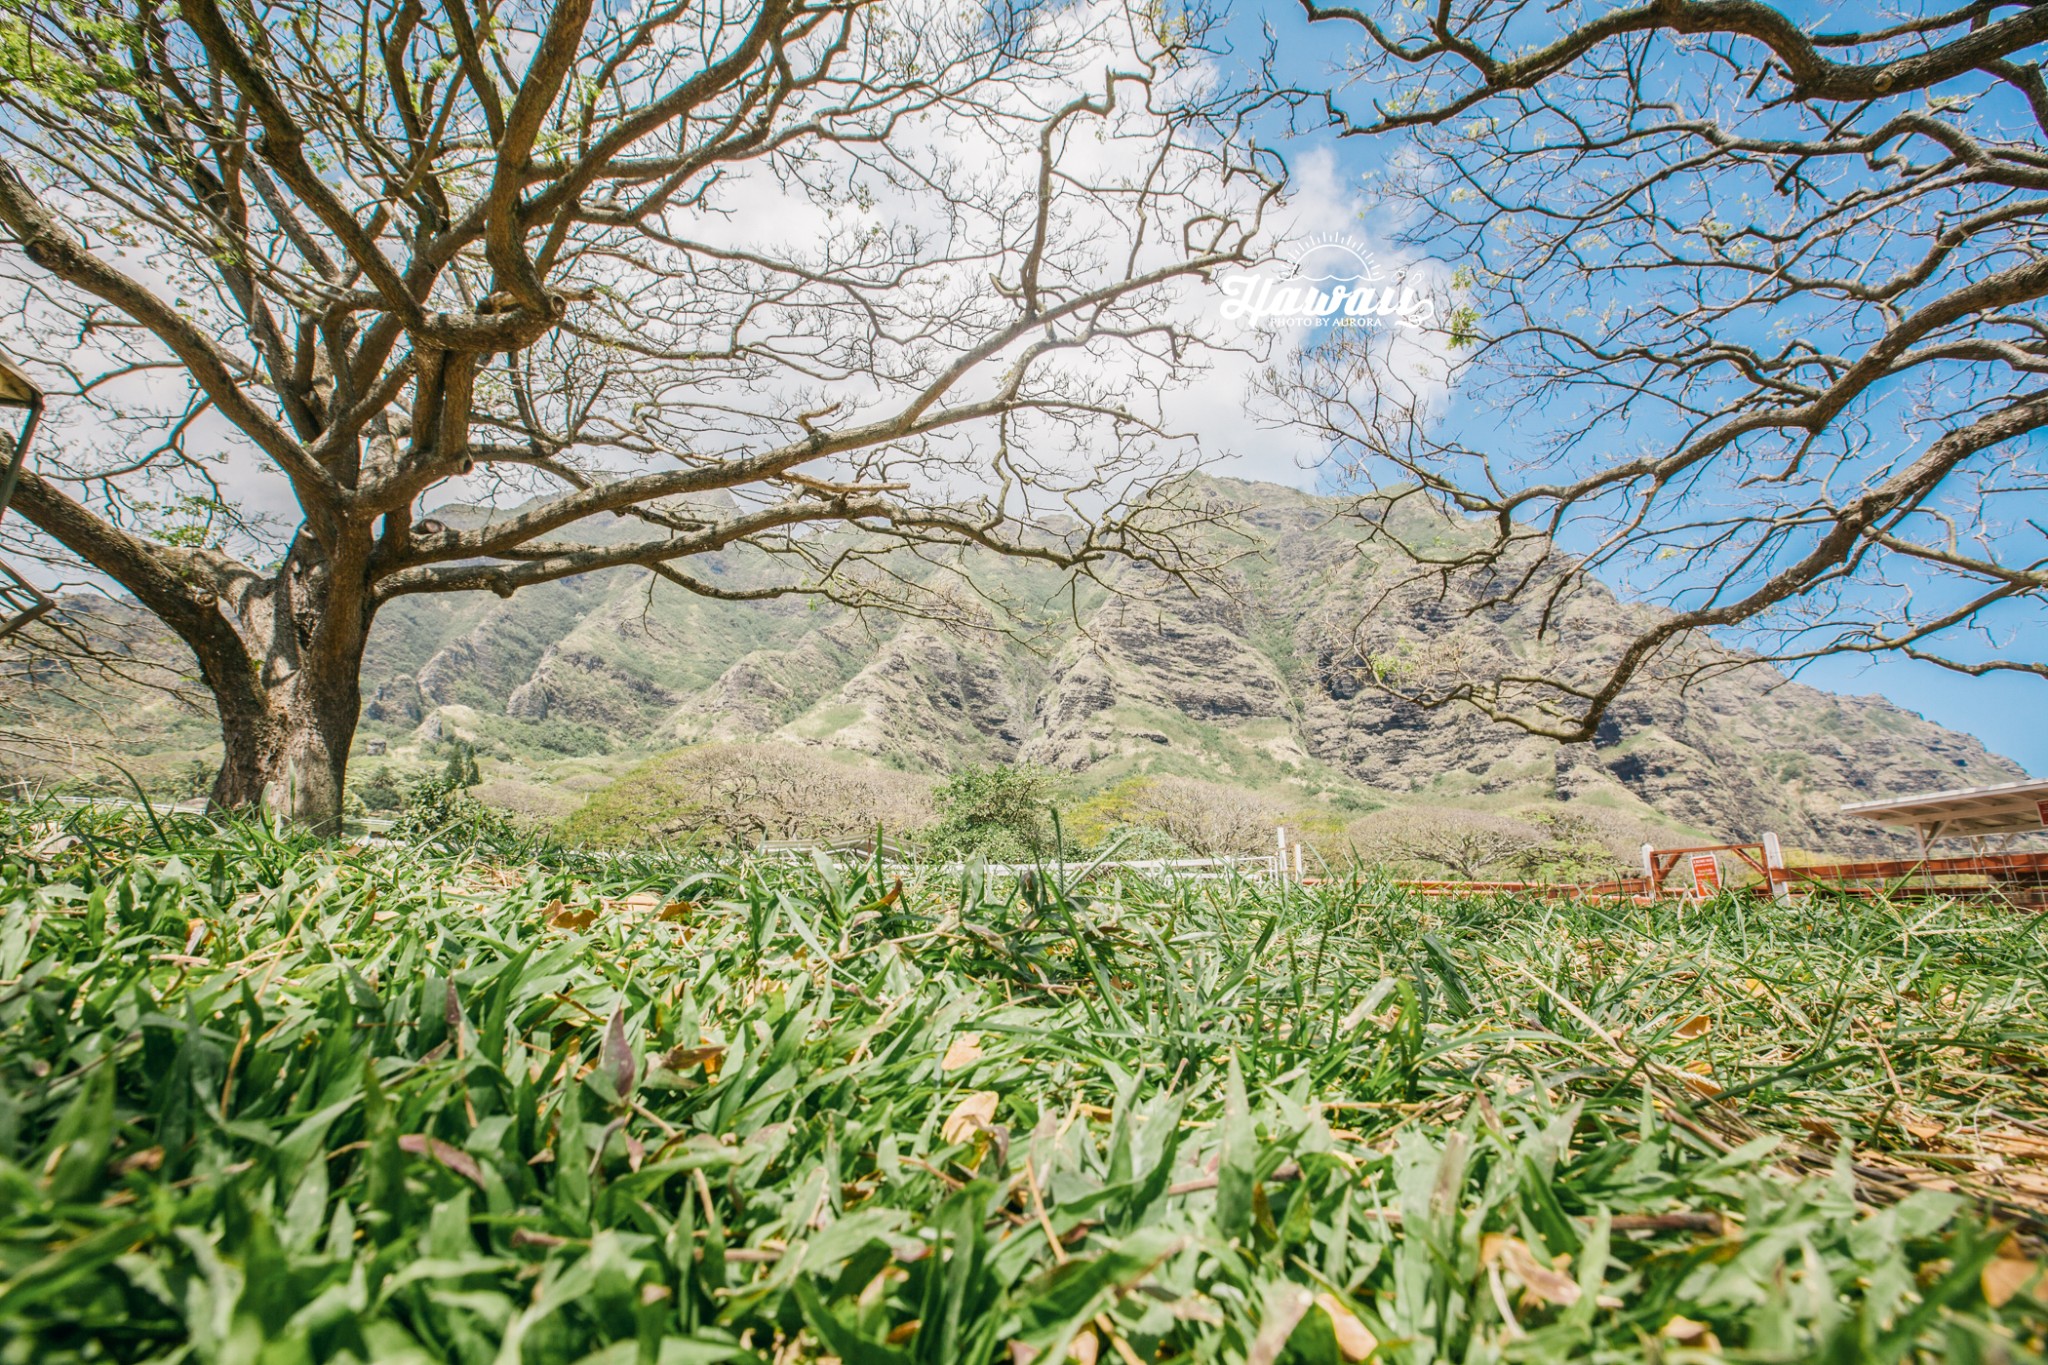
{"points": [[1976, 813]]}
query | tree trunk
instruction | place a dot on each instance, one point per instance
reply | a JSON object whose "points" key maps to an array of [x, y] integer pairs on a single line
{"points": [[290, 755], [286, 740], [281, 652]]}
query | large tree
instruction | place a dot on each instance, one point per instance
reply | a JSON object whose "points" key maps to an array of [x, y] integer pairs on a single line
{"points": [[1751, 322], [740, 272]]}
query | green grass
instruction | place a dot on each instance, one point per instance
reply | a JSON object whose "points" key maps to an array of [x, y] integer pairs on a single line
{"points": [[271, 1101]]}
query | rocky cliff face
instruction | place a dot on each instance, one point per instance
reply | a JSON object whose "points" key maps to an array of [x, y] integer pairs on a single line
{"points": [[1269, 684]]}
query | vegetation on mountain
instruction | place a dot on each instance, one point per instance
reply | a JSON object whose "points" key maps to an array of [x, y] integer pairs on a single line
{"points": [[1258, 686], [273, 1100]]}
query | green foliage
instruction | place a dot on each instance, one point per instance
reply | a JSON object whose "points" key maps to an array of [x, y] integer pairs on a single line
{"points": [[33, 71], [554, 735], [442, 810], [379, 789], [267, 1100], [1000, 811], [461, 771]]}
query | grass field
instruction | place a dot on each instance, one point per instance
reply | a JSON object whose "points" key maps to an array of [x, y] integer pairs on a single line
{"points": [[265, 1101]]}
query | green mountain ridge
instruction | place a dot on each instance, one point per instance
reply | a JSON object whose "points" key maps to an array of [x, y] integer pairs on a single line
{"points": [[1265, 681]]}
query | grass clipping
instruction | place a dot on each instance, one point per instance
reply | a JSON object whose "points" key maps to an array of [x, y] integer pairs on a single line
{"points": [[274, 1102]]}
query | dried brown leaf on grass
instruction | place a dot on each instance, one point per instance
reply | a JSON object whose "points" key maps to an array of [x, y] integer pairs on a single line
{"points": [[707, 1055], [453, 1157], [1544, 1283], [560, 916], [1355, 1340], [971, 1114], [2011, 1273]]}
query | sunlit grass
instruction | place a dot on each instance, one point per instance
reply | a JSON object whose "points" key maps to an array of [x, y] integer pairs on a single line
{"points": [[268, 1100]]}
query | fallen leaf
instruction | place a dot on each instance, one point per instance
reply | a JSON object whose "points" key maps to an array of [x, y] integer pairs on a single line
{"points": [[1355, 1340], [639, 903], [964, 1050], [616, 1056], [526, 1237], [675, 912], [2005, 1276], [148, 1159], [1699, 1081], [970, 1114], [55, 844], [1685, 1331], [1695, 1027], [707, 1055], [1545, 1283], [562, 917], [453, 1157], [1926, 1130], [1820, 1128]]}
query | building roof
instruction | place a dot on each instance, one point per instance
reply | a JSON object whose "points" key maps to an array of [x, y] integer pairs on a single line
{"points": [[2008, 808]]}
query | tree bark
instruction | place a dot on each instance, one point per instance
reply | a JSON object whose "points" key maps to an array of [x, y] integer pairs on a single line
{"points": [[286, 742], [290, 755]]}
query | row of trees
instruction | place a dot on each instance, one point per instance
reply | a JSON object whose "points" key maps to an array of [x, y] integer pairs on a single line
{"points": [[740, 795], [1758, 301]]}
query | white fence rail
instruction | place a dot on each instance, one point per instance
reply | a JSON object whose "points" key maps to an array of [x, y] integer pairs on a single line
{"points": [[1265, 868]]}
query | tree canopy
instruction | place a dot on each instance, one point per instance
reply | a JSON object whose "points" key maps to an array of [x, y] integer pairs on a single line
{"points": [[734, 273], [1752, 326]]}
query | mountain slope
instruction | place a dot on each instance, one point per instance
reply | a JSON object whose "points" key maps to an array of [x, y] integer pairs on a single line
{"points": [[1266, 683]]}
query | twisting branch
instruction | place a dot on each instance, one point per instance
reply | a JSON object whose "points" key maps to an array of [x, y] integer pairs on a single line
{"points": [[1767, 350]]}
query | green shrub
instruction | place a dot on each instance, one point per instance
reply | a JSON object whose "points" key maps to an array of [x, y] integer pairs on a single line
{"points": [[379, 790], [441, 808], [1001, 812]]}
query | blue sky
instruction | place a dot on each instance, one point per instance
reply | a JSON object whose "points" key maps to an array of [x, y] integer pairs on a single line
{"points": [[2002, 710]]}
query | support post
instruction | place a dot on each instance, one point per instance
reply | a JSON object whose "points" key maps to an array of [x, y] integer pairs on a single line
{"points": [[1774, 868]]}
